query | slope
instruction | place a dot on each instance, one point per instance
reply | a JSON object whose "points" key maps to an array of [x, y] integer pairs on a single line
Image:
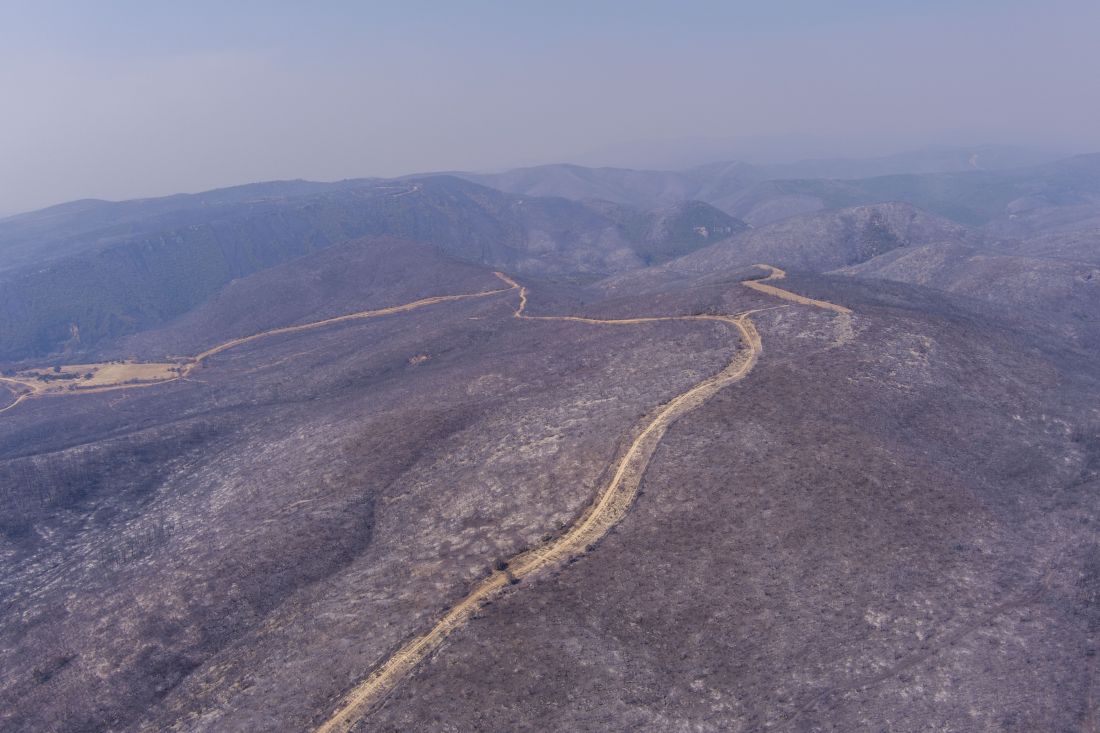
{"points": [[879, 532], [608, 508], [223, 539], [1061, 292], [812, 242], [68, 302]]}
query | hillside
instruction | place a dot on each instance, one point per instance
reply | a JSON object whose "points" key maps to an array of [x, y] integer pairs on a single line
{"points": [[1019, 201], [353, 276], [1051, 278], [619, 185], [77, 274], [638, 188], [1060, 195], [1079, 246], [200, 558], [101, 285], [1061, 292], [671, 231], [877, 533], [40, 236], [889, 503], [816, 242]]}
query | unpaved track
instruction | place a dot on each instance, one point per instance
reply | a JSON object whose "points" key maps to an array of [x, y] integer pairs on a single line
{"points": [[775, 273], [16, 390], [198, 358], [608, 508], [188, 366]]}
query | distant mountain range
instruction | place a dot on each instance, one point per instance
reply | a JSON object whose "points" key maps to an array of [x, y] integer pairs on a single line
{"points": [[1011, 198], [74, 275], [798, 157]]}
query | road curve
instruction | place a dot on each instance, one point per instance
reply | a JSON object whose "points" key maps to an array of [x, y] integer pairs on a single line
{"points": [[774, 273], [609, 507], [19, 395]]}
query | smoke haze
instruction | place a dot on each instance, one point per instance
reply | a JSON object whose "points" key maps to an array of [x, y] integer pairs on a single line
{"points": [[128, 99]]}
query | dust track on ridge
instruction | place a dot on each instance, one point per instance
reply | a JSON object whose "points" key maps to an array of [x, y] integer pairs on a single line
{"points": [[608, 508], [19, 396], [192, 363], [762, 286]]}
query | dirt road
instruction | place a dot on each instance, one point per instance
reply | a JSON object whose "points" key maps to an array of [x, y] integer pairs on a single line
{"points": [[130, 375], [608, 508], [18, 389], [774, 273]]}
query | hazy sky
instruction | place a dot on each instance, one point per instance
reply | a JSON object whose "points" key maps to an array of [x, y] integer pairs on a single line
{"points": [[123, 99]]}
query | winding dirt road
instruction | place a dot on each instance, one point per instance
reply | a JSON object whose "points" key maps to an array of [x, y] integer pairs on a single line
{"points": [[27, 388], [16, 388], [360, 315], [774, 273], [608, 508]]}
